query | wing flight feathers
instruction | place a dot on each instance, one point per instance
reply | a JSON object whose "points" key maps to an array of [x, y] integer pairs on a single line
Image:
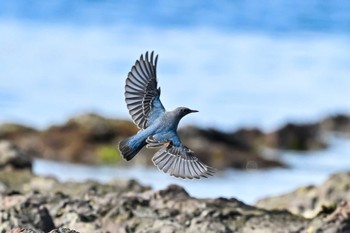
{"points": [[180, 161], [141, 90]]}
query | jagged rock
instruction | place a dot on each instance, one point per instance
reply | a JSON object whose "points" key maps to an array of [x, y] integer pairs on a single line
{"points": [[63, 230], [28, 213], [25, 181], [169, 210], [310, 200], [25, 230], [126, 206], [12, 156], [336, 220], [41, 203]]}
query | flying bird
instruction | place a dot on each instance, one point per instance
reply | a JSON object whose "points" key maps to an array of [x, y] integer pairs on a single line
{"points": [[157, 127]]}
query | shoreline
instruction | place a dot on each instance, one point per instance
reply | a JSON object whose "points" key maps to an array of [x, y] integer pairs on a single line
{"points": [[92, 139], [35, 203]]}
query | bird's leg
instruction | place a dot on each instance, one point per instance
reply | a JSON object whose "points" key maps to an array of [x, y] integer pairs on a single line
{"points": [[168, 144], [153, 143]]}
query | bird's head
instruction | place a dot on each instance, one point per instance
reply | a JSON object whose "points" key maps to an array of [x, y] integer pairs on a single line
{"points": [[183, 111]]}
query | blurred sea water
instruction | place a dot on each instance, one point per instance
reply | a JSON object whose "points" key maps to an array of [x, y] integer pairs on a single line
{"points": [[243, 63], [240, 63]]}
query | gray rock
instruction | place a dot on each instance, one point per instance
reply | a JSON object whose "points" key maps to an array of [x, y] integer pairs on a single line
{"points": [[336, 221], [309, 201], [63, 230], [29, 213], [11, 155], [26, 230], [126, 206], [168, 210]]}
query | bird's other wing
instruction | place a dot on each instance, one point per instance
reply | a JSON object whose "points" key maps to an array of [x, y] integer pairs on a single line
{"points": [[180, 161], [142, 93]]}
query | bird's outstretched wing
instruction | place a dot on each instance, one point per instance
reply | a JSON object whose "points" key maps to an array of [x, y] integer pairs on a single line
{"points": [[179, 161], [142, 93]]}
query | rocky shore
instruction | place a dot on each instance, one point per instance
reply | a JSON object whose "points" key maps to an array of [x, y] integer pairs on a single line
{"points": [[92, 139], [31, 203]]}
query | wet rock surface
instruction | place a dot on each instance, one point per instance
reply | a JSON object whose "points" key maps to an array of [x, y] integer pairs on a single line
{"points": [[33, 203]]}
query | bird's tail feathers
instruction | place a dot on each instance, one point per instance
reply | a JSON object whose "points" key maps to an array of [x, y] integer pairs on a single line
{"points": [[129, 151]]}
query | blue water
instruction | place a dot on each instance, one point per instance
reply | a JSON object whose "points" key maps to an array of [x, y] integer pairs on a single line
{"points": [[249, 15], [240, 63]]}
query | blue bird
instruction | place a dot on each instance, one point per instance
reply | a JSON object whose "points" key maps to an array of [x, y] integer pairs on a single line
{"points": [[158, 127]]}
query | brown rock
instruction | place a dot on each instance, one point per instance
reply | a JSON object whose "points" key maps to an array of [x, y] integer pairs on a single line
{"points": [[10, 130], [78, 140]]}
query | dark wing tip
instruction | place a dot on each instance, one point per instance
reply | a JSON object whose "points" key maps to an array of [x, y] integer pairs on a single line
{"points": [[155, 61], [148, 57]]}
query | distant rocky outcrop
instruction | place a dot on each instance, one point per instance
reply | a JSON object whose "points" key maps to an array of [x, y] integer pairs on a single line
{"points": [[42, 204], [93, 139], [88, 138], [339, 123], [241, 149], [299, 137]]}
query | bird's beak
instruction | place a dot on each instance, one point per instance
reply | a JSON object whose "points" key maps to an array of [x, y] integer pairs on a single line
{"points": [[194, 111]]}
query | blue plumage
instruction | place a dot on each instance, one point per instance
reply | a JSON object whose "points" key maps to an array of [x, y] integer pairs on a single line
{"points": [[158, 127]]}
